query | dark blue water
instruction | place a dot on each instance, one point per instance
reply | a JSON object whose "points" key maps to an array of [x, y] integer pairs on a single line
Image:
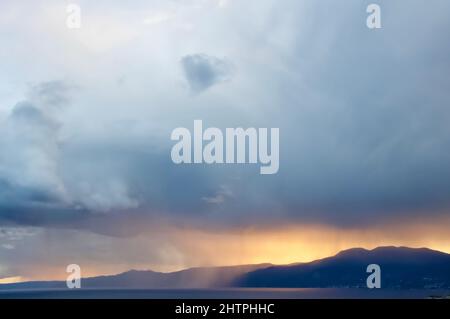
{"points": [[238, 293]]}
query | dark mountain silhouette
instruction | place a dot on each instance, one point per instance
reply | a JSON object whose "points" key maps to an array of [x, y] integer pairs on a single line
{"points": [[401, 267], [201, 277]]}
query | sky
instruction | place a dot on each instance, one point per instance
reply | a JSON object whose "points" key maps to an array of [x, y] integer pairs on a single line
{"points": [[86, 117]]}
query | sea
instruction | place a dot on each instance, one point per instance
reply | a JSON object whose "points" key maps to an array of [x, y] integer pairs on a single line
{"points": [[231, 293]]}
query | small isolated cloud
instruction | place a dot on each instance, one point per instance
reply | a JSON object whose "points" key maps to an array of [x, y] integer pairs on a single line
{"points": [[9, 236], [203, 71], [17, 233], [220, 196], [8, 246]]}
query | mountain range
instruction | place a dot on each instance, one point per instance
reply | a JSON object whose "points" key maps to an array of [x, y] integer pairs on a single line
{"points": [[401, 267]]}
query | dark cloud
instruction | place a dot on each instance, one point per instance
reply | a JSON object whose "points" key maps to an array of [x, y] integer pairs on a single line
{"points": [[203, 71], [363, 121], [30, 148]]}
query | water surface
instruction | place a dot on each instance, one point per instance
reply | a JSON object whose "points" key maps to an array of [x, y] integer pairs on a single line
{"points": [[232, 293]]}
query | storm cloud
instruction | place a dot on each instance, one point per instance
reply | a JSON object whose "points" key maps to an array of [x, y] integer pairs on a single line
{"points": [[33, 183], [86, 117], [363, 114]]}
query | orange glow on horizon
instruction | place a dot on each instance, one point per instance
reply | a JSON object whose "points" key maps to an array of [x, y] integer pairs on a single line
{"points": [[181, 248], [293, 244], [12, 280]]}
